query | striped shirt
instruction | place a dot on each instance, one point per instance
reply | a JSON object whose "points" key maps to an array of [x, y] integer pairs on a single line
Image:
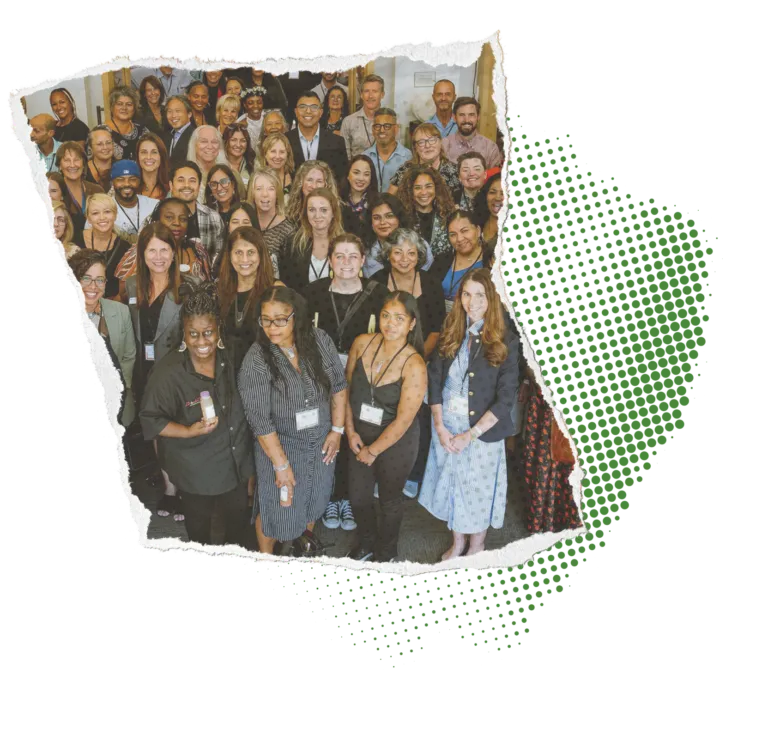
{"points": [[272, 407]]}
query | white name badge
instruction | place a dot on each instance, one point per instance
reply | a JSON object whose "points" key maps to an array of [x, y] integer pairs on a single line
{"points": [[149, 351], [448, 306], [344, 357], [307, 419], [459, 405], [132, 300], [371, 415]]}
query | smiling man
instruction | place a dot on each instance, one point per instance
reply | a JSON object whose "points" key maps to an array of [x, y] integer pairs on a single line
{"points": [[388, 155], [178, 113], [444, 95], [310, 143], [466, 113], [43, 131], [132, 207], [357, 128]]}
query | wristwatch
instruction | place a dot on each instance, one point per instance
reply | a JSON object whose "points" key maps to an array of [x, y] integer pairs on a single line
{"points": [[338, 429]]}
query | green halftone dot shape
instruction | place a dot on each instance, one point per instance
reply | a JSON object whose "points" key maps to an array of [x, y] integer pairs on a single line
{"points": [[610, 295]]}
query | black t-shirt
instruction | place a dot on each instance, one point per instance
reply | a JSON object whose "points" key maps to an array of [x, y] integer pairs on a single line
{"points": [[426, 222], [431, 303], [76, 130]]}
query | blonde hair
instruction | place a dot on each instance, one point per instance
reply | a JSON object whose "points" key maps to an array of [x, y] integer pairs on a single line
{"points": [[223, 100], [267, 173], [296, 200], [269, 142], [69, 228], [100, 199]]}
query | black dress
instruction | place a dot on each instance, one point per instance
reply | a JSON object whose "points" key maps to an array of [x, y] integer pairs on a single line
{"points": [[76, 130], [431, 302], [113, 256]]}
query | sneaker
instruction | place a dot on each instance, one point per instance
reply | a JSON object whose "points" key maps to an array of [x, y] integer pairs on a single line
{"points": [[347, 519], [411, 489], [361, 553], [331, 516]]}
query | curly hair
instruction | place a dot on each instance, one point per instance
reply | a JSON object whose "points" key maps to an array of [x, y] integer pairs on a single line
{"points": [[123, 91], [494, 331], [443, 203], [296, 201], [84, 259], [303, 334]]}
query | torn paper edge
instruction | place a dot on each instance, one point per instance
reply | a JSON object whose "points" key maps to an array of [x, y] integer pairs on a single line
{"points": [[457, 54]]}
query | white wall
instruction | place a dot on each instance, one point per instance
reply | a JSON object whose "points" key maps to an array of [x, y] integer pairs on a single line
{"points": [[86, 92]]}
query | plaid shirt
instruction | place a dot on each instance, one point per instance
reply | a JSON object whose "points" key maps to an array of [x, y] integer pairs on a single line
{"points": [[213, 233]]}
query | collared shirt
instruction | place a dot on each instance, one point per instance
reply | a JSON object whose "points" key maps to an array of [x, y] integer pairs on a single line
{"points": [[446, 130], [211, 464], [49, 161], [176, 83], [456, 144], [385, 170], [176, 135], [322, 90], [357, 131], [309, 147]]}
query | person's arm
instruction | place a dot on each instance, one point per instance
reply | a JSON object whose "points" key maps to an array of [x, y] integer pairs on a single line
{"points": [[353, 438], [411, 398], [431, 342], [174, 430], [127, 350]]}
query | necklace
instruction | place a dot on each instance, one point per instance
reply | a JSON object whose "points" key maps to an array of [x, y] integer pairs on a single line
{"points": [[290, 351]]}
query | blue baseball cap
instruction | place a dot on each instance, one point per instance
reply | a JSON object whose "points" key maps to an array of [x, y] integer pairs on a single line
{"points": [[125, 168]]}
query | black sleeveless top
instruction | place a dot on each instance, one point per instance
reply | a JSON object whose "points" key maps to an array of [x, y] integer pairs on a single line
{"points": [[386, 396]]}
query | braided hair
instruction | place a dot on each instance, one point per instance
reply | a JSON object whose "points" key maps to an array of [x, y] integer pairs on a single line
{"points": [[201, 300]]}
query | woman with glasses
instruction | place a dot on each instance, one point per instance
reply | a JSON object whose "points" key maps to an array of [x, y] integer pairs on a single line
{"points": [[335, 109], [344, 306], [294, 393], [124, 105], [111, 318], [427, 151], [209, 458], [206, 149], [101, 237], [62, 228], [152, 96], [100, 149], [223, 190], [428, 203], [239, 152]]}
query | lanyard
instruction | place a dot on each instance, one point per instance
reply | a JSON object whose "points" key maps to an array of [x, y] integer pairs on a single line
{"points": [[93, 242], [318, 276], [308, 156], [380, 170], [365, 127], [453, 270], [270, 225], [413, 285], [341, 326], [376, 383], [138, 215]]}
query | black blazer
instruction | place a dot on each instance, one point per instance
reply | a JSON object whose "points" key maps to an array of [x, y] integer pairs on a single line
{"points": [[490, 388], [331, 149], [179, 154], [443, 263]]}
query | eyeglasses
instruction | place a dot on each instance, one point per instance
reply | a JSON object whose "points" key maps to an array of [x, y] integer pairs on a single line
{"points": [[100, 281], [281, 321], [312, 108], [382, 126], [426, 141], [220, 184]]}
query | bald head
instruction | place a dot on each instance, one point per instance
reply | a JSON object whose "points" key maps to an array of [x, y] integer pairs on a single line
{"points": [[43, 128]]}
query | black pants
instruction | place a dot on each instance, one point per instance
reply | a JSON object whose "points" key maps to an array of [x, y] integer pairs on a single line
{"points": [[390, 470], [424, 417], [341, 474], [199, 510]]}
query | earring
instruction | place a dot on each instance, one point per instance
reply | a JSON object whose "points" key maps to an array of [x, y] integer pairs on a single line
{"points": [[220, 344], [182, 346], [360, 274]]}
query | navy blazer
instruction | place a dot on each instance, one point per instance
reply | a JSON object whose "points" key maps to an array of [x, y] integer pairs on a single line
{"points": [[490, 388], [330, 148]]}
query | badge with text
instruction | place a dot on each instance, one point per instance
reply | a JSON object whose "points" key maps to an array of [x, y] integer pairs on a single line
{"points": [[149, 351], [371, 415], [307, 419]]}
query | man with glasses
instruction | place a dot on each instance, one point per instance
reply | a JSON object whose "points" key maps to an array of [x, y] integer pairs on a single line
{"points": [[310, 143], [466, 112], [444, 95], [388, 155], [357, 128]]}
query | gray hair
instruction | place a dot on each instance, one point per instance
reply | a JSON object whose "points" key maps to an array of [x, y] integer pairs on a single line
{"points": [[119, 92], [385, 111], [402, 236]]}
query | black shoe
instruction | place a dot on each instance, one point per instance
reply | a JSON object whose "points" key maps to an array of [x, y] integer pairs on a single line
{"points": [[362, 553]]}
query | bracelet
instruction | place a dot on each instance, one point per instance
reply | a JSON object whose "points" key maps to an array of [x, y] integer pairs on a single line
{"points": [[282, 467], [475, 433], [338, 429]]}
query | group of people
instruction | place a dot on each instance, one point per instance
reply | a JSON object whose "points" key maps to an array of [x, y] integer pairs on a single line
{"points": [[302, 316]]}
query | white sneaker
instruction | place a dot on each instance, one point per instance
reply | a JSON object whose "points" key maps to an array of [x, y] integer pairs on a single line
{"points": [[331, 516], [411, 489], [347, 518]]}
